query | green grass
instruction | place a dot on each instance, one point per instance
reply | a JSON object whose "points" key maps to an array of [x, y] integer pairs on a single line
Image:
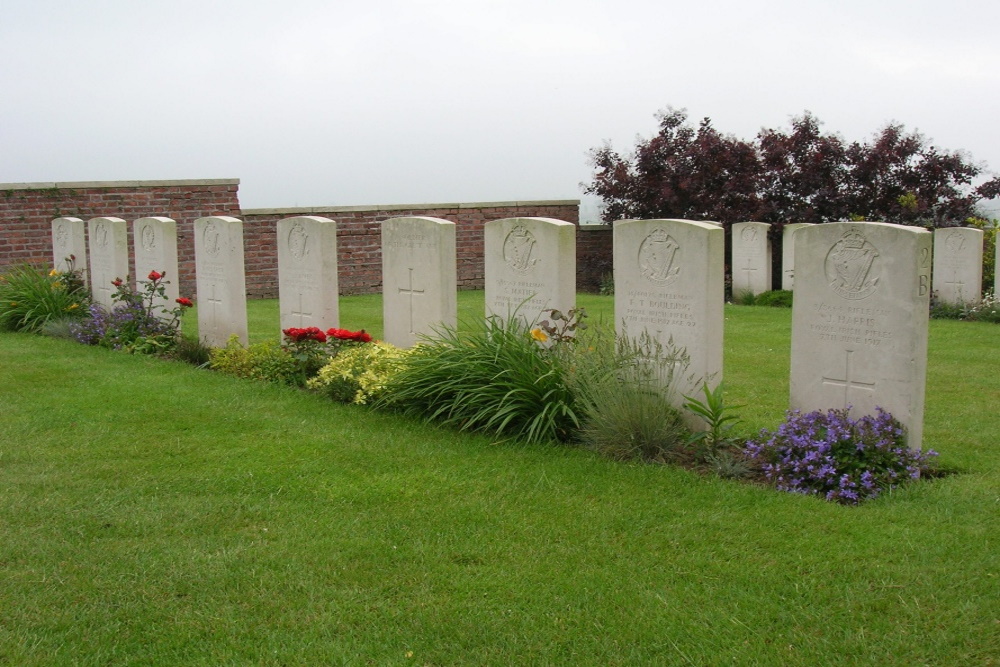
{"points": [[154, 513]]}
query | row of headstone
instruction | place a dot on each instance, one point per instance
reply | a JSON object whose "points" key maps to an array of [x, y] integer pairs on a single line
{"points": [[859, 333], [957, 272]]}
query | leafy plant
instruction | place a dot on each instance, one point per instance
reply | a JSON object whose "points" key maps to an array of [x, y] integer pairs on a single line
{"points": [[778, 298], [138, 323], [30, 297], [359, 374], [718, 418], [744, 297], [987, 310], [607, 284], [267, 361], [833, 456], [562, 328], [495, 378], [629, 421]]}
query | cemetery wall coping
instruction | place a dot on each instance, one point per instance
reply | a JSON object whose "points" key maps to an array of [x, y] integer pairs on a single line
{"points": [[306, 210], [70, 185]]}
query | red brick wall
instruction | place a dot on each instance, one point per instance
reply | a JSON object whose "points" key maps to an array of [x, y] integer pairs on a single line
{"points": [[594, 256], [359, 240], [27, 211]]}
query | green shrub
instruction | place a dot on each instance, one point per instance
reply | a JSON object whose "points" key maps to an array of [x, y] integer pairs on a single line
{"points": [[987, 310], [266, 361], [497, 379], [190, 349], [779, 298], [944, 310], [31, 296], [744, 298], [359, 374]]}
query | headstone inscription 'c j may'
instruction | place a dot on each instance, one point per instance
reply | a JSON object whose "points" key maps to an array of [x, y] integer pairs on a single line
{"points": [[859, 320], [69, 246], [308, 288], [530, 267], [958, 265], [669, 284], [220, 279], [108, 257], [155, 242], [419, 278]]}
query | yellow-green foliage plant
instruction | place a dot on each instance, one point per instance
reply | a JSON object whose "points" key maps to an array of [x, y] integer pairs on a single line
{"points": [[261, 361], [359, 374]]}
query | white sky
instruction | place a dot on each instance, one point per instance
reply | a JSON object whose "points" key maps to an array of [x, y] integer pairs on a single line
{"points": [[324, 102]]}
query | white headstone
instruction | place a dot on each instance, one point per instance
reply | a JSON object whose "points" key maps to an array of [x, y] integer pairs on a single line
{"points": [[859, 320], [108, 257], [751, 258], [308, 291], [419, 278], [155, 242], [530, 267], [670, 284], [788, 253], [69, 245], [958, 265], [220, 280]]}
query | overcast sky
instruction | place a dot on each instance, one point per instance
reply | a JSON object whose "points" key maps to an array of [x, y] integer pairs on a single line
{"points": [[326, 102]]}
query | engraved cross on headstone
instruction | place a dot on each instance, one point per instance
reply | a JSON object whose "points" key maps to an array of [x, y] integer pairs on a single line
{"points": [[411, 292], [748, 269], [301, 313], [848, 382], [959, 284], [216, 303]]}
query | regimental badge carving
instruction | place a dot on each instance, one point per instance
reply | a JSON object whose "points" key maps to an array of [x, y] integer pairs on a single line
{"points": [[852, 266], [955, 242], [659, 256], [101, 235], [298, 241], [62, 235], [749, 234], [518, 248], [212, 238], [148, 238]]}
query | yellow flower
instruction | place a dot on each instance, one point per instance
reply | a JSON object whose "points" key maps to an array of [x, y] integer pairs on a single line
{"points": [[53, 272], [539, 335], [57, 284], [13, 304], [73, 307]]}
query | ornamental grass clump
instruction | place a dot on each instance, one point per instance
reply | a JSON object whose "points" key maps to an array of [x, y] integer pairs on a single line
{"points": [[833, 456], [498, 378], [139, 322], [31, 297]]}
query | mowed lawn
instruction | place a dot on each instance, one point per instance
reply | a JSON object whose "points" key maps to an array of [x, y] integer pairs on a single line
{"points": [[155, 513]]}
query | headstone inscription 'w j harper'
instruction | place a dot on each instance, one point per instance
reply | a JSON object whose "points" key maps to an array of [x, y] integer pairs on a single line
{"points": [[308, 288], [669, 284], [419, 278], [221, 281], [530, 267], [859, 320], [108, 257]]}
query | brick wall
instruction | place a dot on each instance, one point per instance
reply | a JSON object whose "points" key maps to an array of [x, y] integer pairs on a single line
{"points": [[359, 240], [28, 209], [594, 256]]}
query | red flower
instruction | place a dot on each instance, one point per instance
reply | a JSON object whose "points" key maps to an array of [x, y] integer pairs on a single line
{"points": [[155, 275], [117, 282], [297, 335], [187, 303], [344, 334]]}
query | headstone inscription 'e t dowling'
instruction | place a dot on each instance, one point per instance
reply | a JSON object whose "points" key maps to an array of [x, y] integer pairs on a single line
{"points": [[155, 241], [669, 284], [220, 280], [859, 320], [751, 268], [530, 267], [108, 257], [308, 290], [958, 265], [69, 245], [419, 278]]}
